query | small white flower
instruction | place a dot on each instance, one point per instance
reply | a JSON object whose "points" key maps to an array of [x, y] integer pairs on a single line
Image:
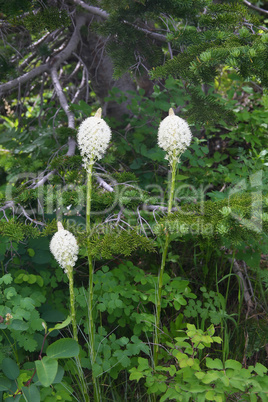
{"points": [[93, 138], [64, 248], [174, 136]]}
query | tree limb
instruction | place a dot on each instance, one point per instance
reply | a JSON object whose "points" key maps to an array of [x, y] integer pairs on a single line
{"points": [[103, 184], [62, 97], [54, 62], [72, 44], [23, 78], [92, 10], [261, 10]]}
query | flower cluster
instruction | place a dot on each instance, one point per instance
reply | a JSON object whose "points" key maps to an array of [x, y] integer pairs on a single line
{"points": [[174, 136], [93, 138], [64, 248]]}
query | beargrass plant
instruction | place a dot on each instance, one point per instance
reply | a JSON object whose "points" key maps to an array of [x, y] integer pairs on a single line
{"points": [[93, 139], [174, 136], [64, 248]]}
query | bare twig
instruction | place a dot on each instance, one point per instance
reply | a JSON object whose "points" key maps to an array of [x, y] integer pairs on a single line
{"points": [[261, 10], [158, 207], [43, 180], [153, 35]]}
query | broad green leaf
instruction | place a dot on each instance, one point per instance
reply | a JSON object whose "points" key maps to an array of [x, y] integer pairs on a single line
{"points": [[236, 382], [97, 370], [31, 394], [59, 375], [10, 368], [19, 325], [225, 380], [217, 339], [233, 364], [6, 279], [210, 395], [46, 370], [13, 399], [214, 364], [211, 376], [253, 398], [63, 348], [181, 177], [61, 325], [31, 252], [200, 374], [135, 374], [260, 369], [4, 384]]}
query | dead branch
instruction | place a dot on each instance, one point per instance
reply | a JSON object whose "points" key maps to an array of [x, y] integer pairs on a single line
{"points": [[93, 10], [103, 184], [54, 62], [23, 79], [62, 97], [261, 10]]}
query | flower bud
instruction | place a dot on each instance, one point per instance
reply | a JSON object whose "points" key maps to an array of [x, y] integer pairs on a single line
{"points": [[64, 248], [93, 138], [174, 136]]}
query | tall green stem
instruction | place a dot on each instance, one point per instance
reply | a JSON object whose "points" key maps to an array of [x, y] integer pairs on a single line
{"points": [[72, 302], [162, 268], [97, 394], [74, 325]]}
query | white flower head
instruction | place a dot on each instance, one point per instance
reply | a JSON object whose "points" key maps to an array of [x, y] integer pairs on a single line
{"points": [[174, 136], [93, 138], [64, 248]]}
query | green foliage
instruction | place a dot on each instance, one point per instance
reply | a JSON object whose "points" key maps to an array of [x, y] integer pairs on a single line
{"points": [[13, 7], [231, 221], [119, 242], [221, 197], [49, 18], [189, 377]]}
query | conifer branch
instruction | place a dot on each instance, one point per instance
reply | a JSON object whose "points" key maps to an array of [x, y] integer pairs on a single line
{"points": [[101, 13]]}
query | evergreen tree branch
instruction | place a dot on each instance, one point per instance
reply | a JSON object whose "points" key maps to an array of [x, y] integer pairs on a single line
{"points": [[261, 10], [99, 12]]}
